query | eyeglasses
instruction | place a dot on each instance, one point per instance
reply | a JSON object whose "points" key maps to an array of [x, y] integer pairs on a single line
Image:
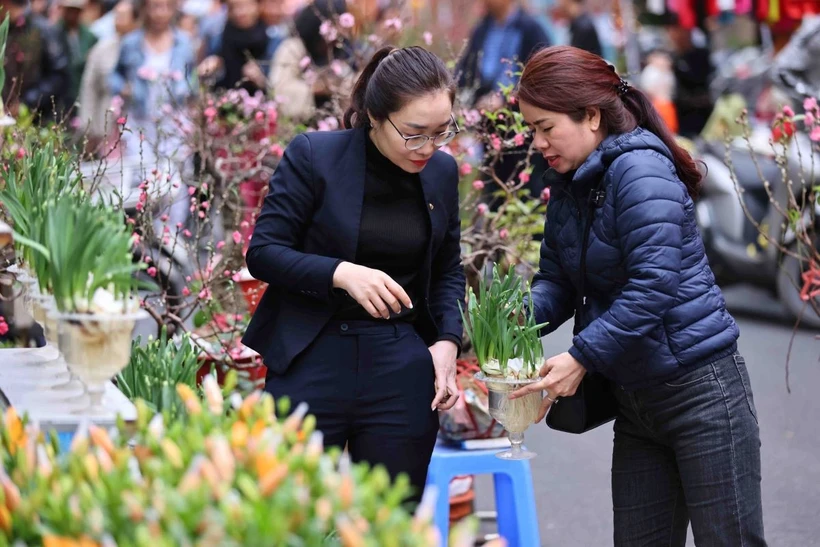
{"points": [[417, 142]]}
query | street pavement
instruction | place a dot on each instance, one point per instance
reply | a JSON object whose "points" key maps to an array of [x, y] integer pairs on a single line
{"points": [[572, 472]]}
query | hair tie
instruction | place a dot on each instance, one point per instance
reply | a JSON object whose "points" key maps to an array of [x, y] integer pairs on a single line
{"points": [[623, 87]]}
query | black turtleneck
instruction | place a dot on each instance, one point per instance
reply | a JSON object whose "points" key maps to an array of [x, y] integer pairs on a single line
{"points": [[394, 231]]}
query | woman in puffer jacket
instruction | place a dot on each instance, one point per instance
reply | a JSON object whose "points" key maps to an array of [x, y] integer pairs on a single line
{"points": [[651, 321]]}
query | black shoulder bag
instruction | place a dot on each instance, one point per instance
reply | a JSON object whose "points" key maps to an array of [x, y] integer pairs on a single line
{"points": [[593, 403]]}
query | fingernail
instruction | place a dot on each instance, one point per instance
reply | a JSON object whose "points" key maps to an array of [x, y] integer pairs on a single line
{"points": [[411, 306]]}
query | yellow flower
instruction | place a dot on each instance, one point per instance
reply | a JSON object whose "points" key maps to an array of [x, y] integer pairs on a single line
{"points": [[264, 462], [190, 399], [172, 452], [5, 519]]}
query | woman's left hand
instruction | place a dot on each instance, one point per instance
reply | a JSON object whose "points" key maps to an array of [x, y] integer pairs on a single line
{"points": [[444, 361], [560, 377]]}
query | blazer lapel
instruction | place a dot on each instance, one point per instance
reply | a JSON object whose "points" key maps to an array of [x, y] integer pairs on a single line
{"points": [[351, 183], [438, 217]]}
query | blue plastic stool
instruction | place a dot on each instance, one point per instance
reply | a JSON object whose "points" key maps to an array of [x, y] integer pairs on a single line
{"points": [[65, 437], [514, 493]]}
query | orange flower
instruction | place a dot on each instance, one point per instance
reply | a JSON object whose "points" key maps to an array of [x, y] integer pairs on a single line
{"points": [[10, 491], [350, 536], [190, 399], [271, 481], [248, 405], [264, 463], [239, 435], [17, 434], [100, 438], [258, 429], [5, 519]]}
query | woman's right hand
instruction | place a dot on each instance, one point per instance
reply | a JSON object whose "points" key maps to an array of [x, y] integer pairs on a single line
{"points": [[374, 290]]}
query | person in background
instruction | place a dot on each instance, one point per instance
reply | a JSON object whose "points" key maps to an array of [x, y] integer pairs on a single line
{"points": [[304, 72], [582, 31], [36, 62], [693, 73], [152, 77], [79, 40], [275, 17], [242, 45], [507, 33], [658, 82], [95, 98]]}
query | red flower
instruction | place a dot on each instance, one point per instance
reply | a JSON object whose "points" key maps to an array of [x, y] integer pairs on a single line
{"points": [[4, 327]]}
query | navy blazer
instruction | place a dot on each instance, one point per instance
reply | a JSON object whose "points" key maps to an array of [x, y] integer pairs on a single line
{"points": [[309, 223]]}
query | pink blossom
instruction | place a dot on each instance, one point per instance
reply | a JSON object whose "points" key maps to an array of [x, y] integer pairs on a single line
{"points": [[346, 20], [188, 279], [147, 73], [524, 177], [482, 209], [186, 291], [810, 104], [328, 31], [545, 195], [191, 190], [164, 218], [220, 245], [237, 237], [503, 233], [236, 277], [201, 214], [21, 153], [472, 117], [135, 238], [337, 67], [304, 62], [166, 230], [117, 102], [810, 119], [131, 221], [259, 116], [147, 259], [787, 111], [465, 169], [206, 205], [815, 134], [478, 184], [4, 327], [244, 224], [495, 142], [518, 140], [428, 38], [140, 206], [277, 150], [187, 233], [121, 120], [152, 271], [179, 225], [511, 99], [393, 24], [205, 294], [210, 113]]}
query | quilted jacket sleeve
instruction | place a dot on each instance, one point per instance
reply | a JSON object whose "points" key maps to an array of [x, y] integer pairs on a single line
{"points": [[553, 293], [649, 217]]}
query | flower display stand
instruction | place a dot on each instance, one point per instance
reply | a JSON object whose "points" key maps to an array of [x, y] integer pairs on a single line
{"points": [[25, 386]]}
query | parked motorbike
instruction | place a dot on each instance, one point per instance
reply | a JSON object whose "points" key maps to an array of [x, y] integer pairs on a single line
{"points": [[732, 212]]}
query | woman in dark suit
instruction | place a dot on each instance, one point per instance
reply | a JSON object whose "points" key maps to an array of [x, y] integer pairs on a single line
{"points": [[359, 240]]}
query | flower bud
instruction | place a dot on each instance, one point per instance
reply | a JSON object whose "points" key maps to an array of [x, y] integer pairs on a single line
{"points": [[213, 395], [172, 453], [100, 438]]}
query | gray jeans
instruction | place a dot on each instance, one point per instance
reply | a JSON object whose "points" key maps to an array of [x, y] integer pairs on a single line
{"points": [[689, 450]]}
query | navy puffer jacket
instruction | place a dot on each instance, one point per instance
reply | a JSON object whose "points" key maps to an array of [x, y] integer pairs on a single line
{"points": [[652, 311]]}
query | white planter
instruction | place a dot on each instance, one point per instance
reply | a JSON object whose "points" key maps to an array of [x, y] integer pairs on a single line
{"points": [[96, 347]]}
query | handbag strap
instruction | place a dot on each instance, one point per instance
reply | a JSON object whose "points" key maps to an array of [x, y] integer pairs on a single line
{"points": [[595, 200]]}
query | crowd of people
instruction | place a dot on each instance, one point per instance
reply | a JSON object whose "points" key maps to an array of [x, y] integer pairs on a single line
{"points": [[71, 58]]}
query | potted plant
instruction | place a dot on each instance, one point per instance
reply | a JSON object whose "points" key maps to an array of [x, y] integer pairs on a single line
{"points": [[91, 274], [507, 344]]}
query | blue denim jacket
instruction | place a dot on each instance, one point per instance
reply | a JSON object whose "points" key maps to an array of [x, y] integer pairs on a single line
{"points": [[132, 59]]}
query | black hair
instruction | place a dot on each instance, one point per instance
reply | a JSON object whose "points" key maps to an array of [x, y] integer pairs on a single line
{"points": [[391, 78], [308, 23]]}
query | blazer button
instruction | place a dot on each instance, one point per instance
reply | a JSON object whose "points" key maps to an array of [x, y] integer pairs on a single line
{"points": [[344, 327], [431, 206]]}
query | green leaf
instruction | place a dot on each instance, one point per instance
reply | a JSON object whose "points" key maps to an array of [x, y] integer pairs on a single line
{"points": [[200, 319]]}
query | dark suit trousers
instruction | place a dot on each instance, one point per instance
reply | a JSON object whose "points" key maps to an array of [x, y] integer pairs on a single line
{"points": [[370, 385]]}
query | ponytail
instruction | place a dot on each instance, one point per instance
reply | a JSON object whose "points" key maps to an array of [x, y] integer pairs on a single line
{"points": [[393, 77], [356, 114], [647, 117]]}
